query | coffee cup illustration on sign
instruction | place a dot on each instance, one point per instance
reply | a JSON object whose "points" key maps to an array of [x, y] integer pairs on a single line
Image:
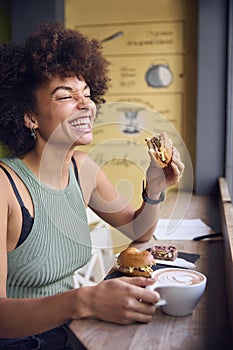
{"points": [[180, 290], [159, 76]]}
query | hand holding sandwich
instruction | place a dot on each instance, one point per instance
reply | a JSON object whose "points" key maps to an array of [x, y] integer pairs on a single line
{"points": [[166, 167]]}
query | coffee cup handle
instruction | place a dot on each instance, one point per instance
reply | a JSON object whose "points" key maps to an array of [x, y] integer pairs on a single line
{"points": [[161, 302], [154, 286]]}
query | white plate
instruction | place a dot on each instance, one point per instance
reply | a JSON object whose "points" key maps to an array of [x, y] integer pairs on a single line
{"points": [[178, 262]]}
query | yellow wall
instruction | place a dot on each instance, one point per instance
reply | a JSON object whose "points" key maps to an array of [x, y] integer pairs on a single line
{"points": [[5, 31]]}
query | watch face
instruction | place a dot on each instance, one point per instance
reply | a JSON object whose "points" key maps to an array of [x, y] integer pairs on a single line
{"points": [[159, 76]]}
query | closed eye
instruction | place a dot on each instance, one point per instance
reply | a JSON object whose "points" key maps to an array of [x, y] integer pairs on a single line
{"points": [[63, 98]]}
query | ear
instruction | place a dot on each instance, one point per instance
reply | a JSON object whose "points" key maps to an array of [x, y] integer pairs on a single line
{"points": [[30, 121]]}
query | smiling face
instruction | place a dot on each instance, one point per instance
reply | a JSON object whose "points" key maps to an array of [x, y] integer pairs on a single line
{"points": [[65, 112]]}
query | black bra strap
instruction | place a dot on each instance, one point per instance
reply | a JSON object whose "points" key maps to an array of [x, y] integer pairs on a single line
{"points": [[13, 186], [16, 190], [75, 170]]}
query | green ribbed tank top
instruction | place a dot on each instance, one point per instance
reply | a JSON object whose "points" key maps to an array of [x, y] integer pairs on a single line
{"points": [[58, 244]]}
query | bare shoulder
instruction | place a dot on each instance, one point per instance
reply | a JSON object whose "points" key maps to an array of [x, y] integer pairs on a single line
{"points": [[78, 156], [88, 172], [84, 161], [6, 194], [4, 181]]}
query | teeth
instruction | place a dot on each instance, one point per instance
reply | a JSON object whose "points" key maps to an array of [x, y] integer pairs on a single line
{"points": [[81, 122]]}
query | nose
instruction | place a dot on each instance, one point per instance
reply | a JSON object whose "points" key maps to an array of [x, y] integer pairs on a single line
{"points": [[83, 102]]}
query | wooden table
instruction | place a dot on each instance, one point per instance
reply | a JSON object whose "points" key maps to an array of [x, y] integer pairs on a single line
{"points": [[199, 331]]}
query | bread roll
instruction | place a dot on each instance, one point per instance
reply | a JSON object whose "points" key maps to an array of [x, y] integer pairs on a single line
{"points": [[160, 148], [132, 262]]}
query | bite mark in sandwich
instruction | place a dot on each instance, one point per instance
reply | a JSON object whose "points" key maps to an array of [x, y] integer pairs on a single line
{"points": [[160, 148], [132, 262]]}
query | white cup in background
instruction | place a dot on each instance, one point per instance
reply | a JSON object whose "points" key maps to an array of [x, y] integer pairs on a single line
{"points": [[180, 290]]}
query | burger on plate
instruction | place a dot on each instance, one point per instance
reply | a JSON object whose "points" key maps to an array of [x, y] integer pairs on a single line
{"points": [[133, 262]]}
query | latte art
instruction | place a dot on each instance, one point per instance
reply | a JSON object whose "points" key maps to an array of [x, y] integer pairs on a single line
{"points": [[178, 277], [180, 290]]}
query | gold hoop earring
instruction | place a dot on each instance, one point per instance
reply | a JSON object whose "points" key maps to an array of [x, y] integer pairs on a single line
{"points": [[33, 133]]}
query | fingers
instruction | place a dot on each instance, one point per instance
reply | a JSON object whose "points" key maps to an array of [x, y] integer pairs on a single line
{"points": [[153, 160], [139, 281], [176, 155], [177, 164], [141, 306], [142, 294], [159, 179], [129, 301], [148, 298], [144, 307], [144, 313], [168, 141]]}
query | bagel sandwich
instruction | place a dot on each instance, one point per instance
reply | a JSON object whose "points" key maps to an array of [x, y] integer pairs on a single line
{"points": [[160, 147], [133, 262]]}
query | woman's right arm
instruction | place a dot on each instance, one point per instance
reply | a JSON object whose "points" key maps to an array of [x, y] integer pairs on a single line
{"points": [[112, 300], [115, 300]]}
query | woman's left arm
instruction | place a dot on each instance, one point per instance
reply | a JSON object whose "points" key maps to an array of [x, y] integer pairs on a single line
{"points": [[157, 182], [102, 197]]}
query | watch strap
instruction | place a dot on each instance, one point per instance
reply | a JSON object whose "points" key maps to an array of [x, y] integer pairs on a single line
{"points": [[149, 200]]}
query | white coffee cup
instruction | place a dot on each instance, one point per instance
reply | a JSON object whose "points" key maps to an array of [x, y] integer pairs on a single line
{"points": [[180, 290]]}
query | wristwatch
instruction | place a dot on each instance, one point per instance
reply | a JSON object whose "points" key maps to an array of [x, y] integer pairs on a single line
{"points": [[149, 200]]}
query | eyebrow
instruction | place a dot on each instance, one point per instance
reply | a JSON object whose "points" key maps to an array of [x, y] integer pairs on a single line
{"points": [[66, 88]]}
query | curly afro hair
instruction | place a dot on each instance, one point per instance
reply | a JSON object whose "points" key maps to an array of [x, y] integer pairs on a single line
{"points": [[50, 50]]}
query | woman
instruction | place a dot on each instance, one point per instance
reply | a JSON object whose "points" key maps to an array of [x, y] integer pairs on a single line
{"points": [[50, 88]]}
